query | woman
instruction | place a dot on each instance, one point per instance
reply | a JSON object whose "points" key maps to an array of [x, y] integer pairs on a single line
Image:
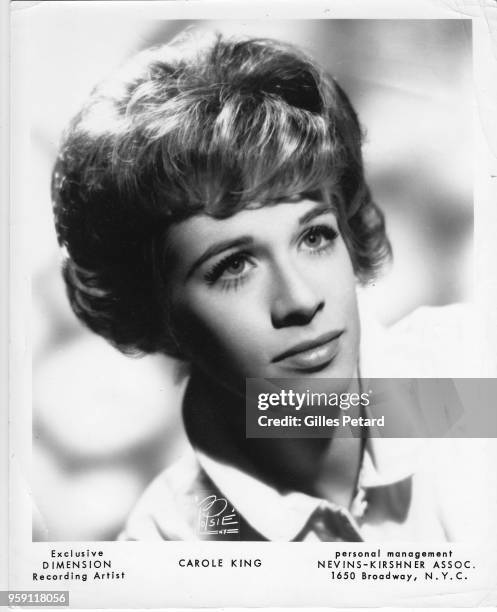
{"points": [[212, 201]]}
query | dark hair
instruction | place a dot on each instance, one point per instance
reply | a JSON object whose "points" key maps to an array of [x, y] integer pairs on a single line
{"points": [[188, 128]]}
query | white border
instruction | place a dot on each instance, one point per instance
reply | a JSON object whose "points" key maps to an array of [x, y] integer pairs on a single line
{"points": [[484, 16], [4, 275]]}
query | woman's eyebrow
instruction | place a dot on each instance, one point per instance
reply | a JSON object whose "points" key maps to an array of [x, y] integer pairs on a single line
{"points": [[316, 211], [217, 248]]}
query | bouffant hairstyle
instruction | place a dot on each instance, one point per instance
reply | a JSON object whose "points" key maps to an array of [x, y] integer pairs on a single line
{"points": [[191, 127]]}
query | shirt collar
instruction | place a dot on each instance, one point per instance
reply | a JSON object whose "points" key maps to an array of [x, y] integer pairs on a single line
{"points": [[281, 516]]}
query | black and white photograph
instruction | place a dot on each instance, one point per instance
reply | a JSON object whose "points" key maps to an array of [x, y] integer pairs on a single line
{"points": [[211, 198]]}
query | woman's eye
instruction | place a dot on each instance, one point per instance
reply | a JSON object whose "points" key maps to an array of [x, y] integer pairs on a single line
{"points": [[235, 267], [230, 269], [319, 237]]}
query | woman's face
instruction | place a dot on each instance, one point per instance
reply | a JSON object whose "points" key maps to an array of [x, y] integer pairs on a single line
{"points": [[269, 292]]}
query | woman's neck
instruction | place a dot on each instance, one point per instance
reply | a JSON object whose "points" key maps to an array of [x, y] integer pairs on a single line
{"points": [[323, 467]]}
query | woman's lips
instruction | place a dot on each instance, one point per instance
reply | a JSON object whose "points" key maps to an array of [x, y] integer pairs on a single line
{"points": [[311, 355]]}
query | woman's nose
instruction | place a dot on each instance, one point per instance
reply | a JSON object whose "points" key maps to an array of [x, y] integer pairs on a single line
{"points": [[295, 300]]}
